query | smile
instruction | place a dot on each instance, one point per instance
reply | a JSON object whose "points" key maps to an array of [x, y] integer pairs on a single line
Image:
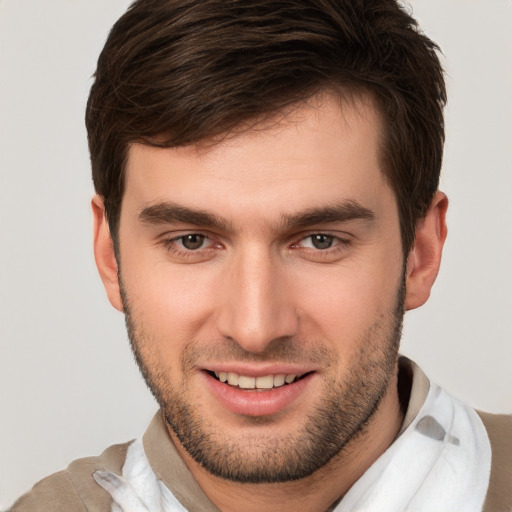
{"points": [[262, 382], [268, 392]]}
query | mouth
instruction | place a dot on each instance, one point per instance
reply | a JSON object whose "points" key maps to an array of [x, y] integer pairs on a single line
{"points": [[261, 383], [259, 392]]}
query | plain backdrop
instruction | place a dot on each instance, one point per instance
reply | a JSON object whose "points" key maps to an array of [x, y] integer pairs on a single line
{"points": [[68, 383]]}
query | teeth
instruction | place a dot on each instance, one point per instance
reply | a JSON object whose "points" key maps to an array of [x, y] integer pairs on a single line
{"points": [[266, 382], [279, 380], [263, 382], [233, 379], [246, 382]]}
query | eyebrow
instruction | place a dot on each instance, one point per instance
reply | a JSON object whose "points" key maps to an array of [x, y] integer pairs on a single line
{"points": [[171, 213], [342, 212]]}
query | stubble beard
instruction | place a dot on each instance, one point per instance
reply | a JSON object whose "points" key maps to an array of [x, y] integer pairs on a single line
{"points": [[347, 408]]}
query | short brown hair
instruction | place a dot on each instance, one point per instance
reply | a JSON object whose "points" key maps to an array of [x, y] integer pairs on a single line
{"points": [[176, 72]]}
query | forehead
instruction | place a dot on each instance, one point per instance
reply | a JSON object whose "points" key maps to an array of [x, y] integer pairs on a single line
{"points": [[321, 151]]}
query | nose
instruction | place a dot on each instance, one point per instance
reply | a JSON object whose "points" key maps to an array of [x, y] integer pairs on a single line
{"points": [[257, 306]]}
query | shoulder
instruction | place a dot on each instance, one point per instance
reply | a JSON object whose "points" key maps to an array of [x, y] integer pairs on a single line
{"points": [[499, 429], [74, 489]]}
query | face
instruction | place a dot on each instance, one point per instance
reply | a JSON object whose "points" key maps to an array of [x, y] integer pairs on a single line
{"points": [[262, 281]]}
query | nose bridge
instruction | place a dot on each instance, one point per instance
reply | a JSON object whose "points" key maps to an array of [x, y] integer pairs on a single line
{"points": [[257, 307]]}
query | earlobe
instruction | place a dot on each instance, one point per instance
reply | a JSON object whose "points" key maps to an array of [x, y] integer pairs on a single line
{"points": [[104, 253], [425, 257]]}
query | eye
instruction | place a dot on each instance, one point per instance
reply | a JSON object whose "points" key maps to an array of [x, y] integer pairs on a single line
{"points": [[323, 247], [191, 247], [192, 242], [319, 241]]}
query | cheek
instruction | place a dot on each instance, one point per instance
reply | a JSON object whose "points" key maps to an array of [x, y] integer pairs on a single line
{"points": [[169, 302], [168, 313], [345, 302]]}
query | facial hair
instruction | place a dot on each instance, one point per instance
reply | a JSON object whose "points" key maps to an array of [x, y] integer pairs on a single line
{"points": [[259, 456]]}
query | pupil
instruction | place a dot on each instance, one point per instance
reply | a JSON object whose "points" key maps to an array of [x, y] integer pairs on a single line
{"points": [[322, 241], [192, 241]]}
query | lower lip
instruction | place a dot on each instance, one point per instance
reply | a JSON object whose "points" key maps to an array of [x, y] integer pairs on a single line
{"points": [[257, 402]]}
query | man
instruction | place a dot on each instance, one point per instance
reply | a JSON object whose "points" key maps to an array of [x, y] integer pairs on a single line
{"points": [[266, 210]]}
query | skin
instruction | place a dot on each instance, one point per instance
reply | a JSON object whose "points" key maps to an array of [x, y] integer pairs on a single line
{"points": [[334, 312]]}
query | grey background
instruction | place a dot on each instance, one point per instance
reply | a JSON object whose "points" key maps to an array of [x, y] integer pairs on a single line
{"points": [[68, 384]]}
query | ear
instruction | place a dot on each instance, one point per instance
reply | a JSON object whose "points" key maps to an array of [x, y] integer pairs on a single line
{"points": [[425, 257], [104, 253]]}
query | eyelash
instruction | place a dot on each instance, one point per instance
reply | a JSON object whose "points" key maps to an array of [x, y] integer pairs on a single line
{"points": [[330, 254], [171, 244], [339, 245], [335, 240]]}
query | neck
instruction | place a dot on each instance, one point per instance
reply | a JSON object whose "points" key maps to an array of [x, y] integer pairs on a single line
{"points": [[318, 492]]}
